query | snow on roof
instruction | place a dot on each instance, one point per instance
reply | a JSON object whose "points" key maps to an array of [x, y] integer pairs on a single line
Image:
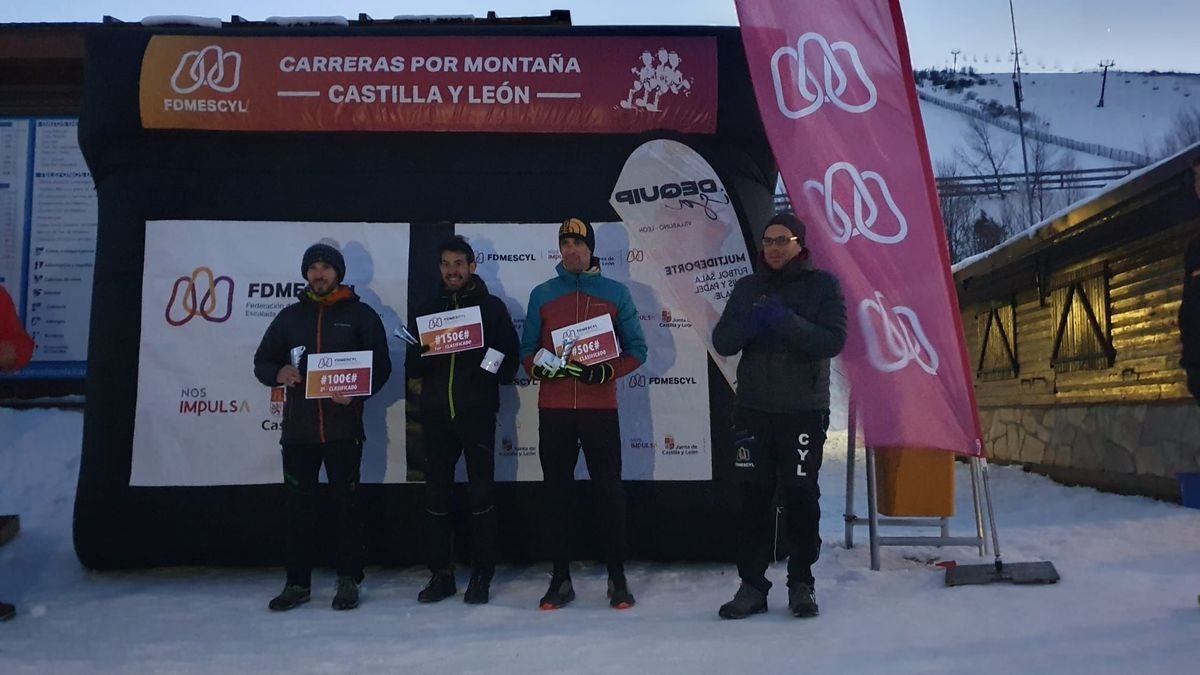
{"points": [[1059, 222], [308, 20], [182, 20], [430, 18]]}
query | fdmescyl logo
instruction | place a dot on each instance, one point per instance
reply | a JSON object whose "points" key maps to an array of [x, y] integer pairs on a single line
{"points": [[186, 302], [213, 68], [266, 298], [638, 381], [505, 257]]}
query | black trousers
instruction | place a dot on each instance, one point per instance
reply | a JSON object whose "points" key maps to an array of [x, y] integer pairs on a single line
{"points": [[301, 472], [785, 450], [472, 434], [561, 433]]}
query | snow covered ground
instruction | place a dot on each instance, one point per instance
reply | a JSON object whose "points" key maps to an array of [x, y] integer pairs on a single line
{"points": [[1138, 107], [1126, 603]]}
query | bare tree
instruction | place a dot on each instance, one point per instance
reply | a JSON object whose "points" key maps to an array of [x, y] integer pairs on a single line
{"points": [[1045, 159], [956, 214], [985, 155], [1184, 132]]}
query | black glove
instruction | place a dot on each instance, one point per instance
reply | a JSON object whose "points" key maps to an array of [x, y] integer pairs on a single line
{"points": [[540, 373], [598, 373], [418, 349]]}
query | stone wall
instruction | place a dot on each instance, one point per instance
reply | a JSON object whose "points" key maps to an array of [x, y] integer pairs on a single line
{"points": [[1128, 447]]}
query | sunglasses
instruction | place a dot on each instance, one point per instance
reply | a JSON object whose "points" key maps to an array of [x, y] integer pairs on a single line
{"points": [[778, 241]]}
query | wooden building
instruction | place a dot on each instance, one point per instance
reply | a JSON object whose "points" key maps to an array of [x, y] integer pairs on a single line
{"points": [[1072, 329]]}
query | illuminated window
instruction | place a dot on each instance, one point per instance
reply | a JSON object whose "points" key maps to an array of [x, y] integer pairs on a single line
{"points": [[997, 333], [1082, 327]]}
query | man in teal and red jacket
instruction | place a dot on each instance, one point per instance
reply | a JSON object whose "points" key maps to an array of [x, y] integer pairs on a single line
{"points": [[577, 404]]}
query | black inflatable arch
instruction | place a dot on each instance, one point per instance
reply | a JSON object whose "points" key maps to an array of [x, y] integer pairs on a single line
{"points": [[421, 178]]}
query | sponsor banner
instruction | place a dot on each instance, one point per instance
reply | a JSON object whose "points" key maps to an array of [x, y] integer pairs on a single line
{"points": [[664, 434], [840, 72], [339, 374], [680, 215], [455, 330], [595, 341], [209, 291], [462, 83]]}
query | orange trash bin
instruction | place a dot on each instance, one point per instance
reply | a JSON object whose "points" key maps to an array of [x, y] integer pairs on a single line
{"points": [[914, 482]]}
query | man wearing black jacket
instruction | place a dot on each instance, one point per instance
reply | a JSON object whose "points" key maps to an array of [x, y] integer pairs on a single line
{"points": [[459, 400], [787, 320], [328, 318]]}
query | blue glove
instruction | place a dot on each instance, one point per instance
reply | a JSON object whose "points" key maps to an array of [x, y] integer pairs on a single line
{"points": [[768, 312]]}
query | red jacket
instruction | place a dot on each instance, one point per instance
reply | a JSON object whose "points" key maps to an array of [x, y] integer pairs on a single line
{"points": [[570, 298], [13, 333]]}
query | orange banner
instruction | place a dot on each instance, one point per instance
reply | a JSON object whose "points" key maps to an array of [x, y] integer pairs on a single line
{"points": [[468, 84]]}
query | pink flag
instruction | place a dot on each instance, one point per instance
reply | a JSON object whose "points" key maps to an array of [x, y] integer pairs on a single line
{"points": [[836, 93]]}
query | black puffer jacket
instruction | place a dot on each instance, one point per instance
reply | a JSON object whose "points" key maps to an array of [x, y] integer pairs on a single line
{"points": [[454, 383], [784, 366], [342, 323]]}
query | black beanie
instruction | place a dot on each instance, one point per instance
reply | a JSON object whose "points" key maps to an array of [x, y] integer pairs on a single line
{"points": [[790, 221], [580, 229], [326, 254]]}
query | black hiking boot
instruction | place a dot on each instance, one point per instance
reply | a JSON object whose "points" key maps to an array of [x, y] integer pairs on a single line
{"points": [[559, 594], [619, 596], [291, 598], [479, 587], [802, 601], [346, 595], [748, 600], [441, 586]]}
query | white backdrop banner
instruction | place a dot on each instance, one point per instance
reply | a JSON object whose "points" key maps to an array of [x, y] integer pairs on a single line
{"points": [[663, 405], [682, 223], [209, 291]]}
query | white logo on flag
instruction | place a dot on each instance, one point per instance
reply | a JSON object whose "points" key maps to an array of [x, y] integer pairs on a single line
{"points": [[208, 67], [835, 80], [840, 223], [895, 338]]}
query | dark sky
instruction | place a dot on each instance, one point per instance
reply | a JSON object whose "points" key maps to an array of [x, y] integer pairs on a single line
{"points": [[1066, 35]]}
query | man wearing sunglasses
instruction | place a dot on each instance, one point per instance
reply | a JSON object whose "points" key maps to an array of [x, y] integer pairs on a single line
{"points": [[787, 320]]}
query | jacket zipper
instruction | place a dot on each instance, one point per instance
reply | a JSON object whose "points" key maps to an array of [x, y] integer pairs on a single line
{"points": [[453, 359], [320, 401], [575, 382]]}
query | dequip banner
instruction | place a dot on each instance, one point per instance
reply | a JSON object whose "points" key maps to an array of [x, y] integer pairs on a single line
{"points": [[835, 90], [680, 215], [618, 84], [209, 291]]}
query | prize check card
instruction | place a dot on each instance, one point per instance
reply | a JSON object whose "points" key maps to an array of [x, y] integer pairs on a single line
{"points": [[339, 373]]}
